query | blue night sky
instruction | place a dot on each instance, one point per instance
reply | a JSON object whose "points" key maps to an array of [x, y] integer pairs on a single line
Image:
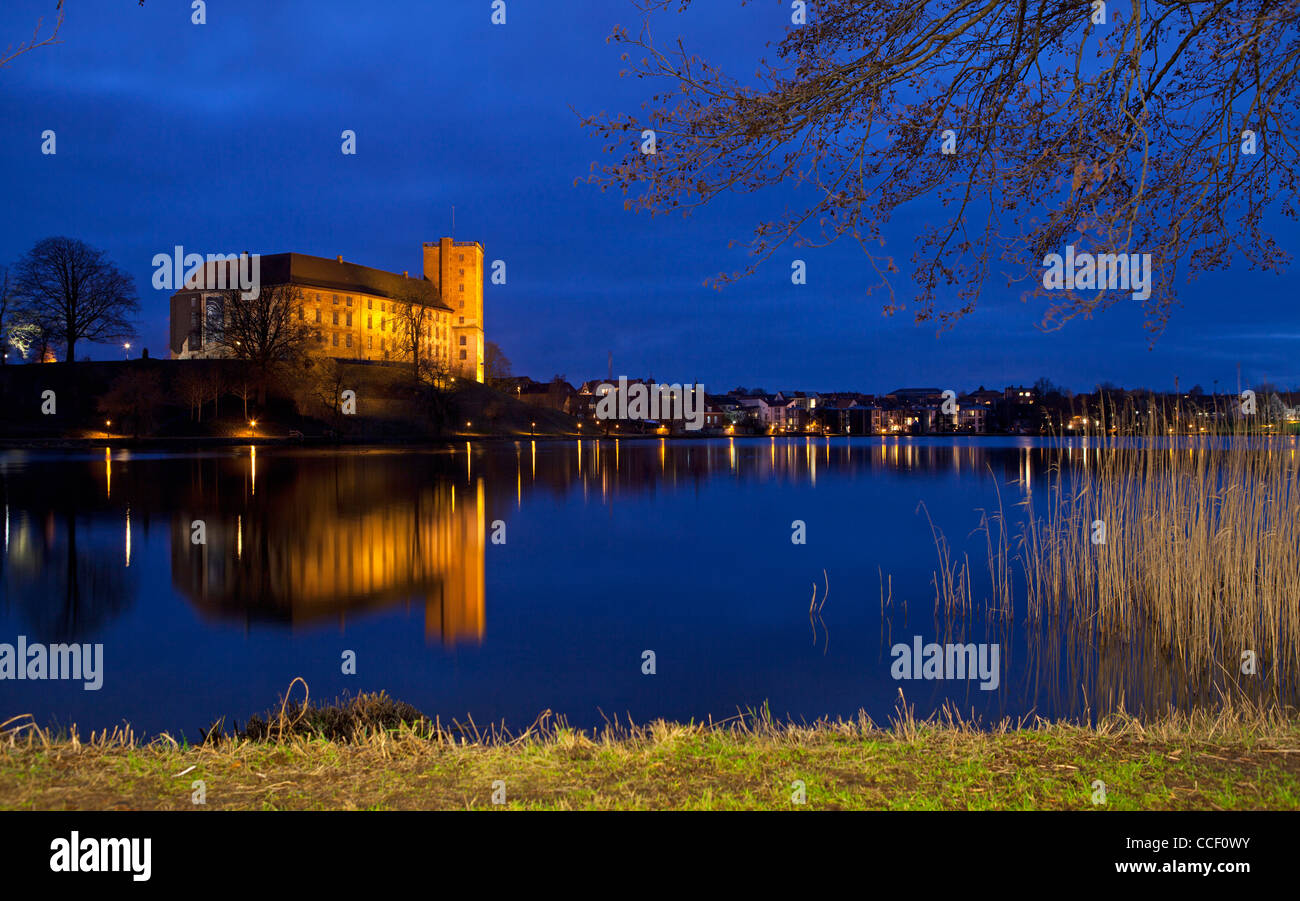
{"points": [[226, 137]]}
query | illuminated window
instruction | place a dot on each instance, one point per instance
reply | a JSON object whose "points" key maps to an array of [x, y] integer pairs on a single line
{"points": [[370, 342]]}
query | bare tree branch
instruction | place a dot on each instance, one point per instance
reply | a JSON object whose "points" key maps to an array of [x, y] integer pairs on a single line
{"points": [[1119, 136]]}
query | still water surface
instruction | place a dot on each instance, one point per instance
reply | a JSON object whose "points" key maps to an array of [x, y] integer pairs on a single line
{"points": [[606, 550]]}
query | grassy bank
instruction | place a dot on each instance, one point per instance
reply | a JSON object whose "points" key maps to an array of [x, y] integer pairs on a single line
{"points": [[369, 754]]}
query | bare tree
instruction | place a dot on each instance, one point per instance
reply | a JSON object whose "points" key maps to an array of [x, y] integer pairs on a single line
{"points": [[1154, 126], [134, 398], [36, 40], [5, 304], [75, 292], [496, 364], [323, 381], [191, 385], [413, 323], [436, 387], [24, 334], [217, 384], [268, 332]]}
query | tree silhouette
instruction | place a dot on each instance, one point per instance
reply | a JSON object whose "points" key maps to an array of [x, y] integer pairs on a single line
{"points": [[1157, 126]]}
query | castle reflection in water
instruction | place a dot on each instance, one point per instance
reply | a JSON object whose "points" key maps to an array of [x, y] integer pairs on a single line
{"points": [[300, 536], [305, 539]]}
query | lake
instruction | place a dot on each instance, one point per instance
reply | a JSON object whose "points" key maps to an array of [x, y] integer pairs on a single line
{"points": [[500, 580]]}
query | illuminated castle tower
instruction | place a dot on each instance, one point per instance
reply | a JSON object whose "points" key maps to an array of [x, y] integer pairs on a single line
{"points": [[456, 270]]}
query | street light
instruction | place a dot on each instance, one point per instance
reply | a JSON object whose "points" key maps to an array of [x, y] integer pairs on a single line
{"points": [[126, 350]]}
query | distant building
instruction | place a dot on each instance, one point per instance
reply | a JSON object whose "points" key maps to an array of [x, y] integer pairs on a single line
{"points": [[1019, 394], [356, 308], [916, 396]]}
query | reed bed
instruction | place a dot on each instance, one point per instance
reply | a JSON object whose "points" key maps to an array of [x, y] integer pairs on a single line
{"points": [[1182, 546]]}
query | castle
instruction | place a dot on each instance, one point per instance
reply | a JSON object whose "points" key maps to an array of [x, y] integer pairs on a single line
{"points": [[354, 309]]}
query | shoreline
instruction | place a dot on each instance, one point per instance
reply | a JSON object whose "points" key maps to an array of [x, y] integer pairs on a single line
{"points": [[205, 441], [374, 753]]}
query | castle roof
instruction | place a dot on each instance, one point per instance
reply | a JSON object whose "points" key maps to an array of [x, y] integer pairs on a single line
{"points": [[333, 275], [319, 272]]}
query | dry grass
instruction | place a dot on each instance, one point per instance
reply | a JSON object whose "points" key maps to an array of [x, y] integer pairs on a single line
{"points": [[385, 757]]}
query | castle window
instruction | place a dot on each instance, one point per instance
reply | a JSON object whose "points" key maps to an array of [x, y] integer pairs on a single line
{"points": [[302, 314], [383, 323], [462, 289], [462, 340], [462, 320], [370, 321], [370, 342], [461, 257], [318, 314], [336, 317], [370, 303], [336, 298], [462, 354], [349, 301], [462, 272], [349, 341], [349, 322], [335, 336]]}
